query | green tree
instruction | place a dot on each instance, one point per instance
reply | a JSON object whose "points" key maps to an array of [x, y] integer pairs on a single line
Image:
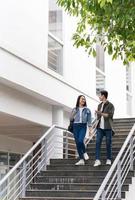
{"points": [[110, 22]]}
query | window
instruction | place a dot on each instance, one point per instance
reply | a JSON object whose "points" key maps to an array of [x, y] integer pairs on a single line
{"points": [[100, 68], [129, 90], [128, 78], [55, 19], [55, 55], [100, 57], [100, 82], [55, 44], [13, 158], [3, 158]]}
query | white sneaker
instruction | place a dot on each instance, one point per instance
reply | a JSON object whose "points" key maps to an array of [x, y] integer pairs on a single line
{"points": [[97, 163], [80, 162], [86, 157], [108, 162]]}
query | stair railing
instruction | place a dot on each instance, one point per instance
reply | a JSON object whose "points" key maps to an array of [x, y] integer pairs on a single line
{"points": [[111, 188], [56, 142]]}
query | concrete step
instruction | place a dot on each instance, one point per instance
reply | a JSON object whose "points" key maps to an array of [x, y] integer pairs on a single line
{"points": [[56, 198], [73, 161], [74, 167], [73, 179], [70, 179], [114, 145], [102, 152], [69, 186], [124, 120], [61, 193], [65, 186], [64, 193], [103, 149], [87, 166], [76, 172], [94, 172]]}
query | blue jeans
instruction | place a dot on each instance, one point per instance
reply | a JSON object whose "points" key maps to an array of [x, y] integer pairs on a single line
{"points": [[79, 130], [100, 134]]}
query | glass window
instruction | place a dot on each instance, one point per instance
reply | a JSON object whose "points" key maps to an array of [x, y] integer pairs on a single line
{"points": [[55, 19], [3, 158], [100, 82], [128, 78], [100, 57], [55, 55], [13, 158]]}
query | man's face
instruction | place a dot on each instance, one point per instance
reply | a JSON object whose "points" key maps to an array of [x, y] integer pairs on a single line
{"points": [[101, 97]]}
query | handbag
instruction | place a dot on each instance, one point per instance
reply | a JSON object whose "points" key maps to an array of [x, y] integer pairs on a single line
{"points": [[70, 127], [113, 132]]}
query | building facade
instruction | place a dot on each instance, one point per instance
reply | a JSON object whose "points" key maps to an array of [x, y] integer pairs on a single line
{"points": [[41, 75]]}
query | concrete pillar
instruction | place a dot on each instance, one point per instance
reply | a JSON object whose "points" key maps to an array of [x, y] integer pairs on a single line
{"points": [[58, 119]]}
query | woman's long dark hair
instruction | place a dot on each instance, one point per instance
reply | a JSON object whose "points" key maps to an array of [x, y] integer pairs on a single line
{"points": [[78, 100]]}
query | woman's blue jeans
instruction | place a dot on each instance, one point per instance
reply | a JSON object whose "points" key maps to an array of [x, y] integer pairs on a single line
{"points": [[79, 130], [99, 136]]}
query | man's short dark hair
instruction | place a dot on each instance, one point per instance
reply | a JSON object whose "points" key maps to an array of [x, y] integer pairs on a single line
{"points": [[105, 93]]}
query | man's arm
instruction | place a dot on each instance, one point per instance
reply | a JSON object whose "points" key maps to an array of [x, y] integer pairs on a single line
{"points": [[109, 114]]}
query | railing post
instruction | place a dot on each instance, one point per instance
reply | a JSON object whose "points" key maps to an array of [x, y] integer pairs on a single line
{"points": [[44, 154], [119, 178], [103, 195], [66, 146], [131, 154], [24, 179]]}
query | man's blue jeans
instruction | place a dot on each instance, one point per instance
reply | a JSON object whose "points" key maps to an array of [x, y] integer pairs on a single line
{"points": [[79, 130], [99, 136]]}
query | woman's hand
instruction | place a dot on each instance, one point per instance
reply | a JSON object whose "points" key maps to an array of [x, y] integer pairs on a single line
{"points": [[90, 131]]}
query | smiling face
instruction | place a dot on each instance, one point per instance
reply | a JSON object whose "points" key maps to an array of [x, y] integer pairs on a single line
{"points": [[101, 97], [82, 101]]}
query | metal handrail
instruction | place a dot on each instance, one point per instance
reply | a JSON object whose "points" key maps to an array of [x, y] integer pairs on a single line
{"points": [[103, 190], [25, 170], [26, 155]]}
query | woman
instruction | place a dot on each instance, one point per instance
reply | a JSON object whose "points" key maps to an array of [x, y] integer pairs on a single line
{"points": [[81, 117]]}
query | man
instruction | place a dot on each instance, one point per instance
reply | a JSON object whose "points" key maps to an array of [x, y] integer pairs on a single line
{"points": [[104, 113]]}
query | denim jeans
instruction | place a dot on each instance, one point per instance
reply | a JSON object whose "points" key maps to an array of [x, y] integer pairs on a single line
{"points": [[79, 130], [99, 136]]}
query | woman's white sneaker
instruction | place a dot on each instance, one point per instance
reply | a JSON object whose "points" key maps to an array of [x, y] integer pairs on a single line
{"points": [[86, 157], [80, 162], [97, 163], [108, 162]]}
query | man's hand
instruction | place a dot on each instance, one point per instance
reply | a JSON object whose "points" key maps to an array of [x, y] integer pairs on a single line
{"points": [[101, 114], [98, 112]]}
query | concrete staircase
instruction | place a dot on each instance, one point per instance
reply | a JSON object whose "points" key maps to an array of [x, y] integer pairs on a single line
{"points": [[63, 180]]}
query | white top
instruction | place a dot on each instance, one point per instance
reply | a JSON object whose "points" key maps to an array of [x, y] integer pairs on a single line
{"points": [[102, 118], [80, 110]]}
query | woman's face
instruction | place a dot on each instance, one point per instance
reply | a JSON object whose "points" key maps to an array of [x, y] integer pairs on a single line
{"points": [[82, 101]]}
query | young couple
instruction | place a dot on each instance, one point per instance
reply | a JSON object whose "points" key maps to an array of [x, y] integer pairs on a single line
{"points": [[81, 117]]}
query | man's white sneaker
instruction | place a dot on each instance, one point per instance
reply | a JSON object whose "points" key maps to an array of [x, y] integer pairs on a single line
{"points": [[108, 162], [86, 157], [80, 162], [97, 163]]}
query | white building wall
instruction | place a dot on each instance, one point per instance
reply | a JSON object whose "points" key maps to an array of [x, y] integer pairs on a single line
{"points": [[116, 85], [24, 29], [23, 106]]}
